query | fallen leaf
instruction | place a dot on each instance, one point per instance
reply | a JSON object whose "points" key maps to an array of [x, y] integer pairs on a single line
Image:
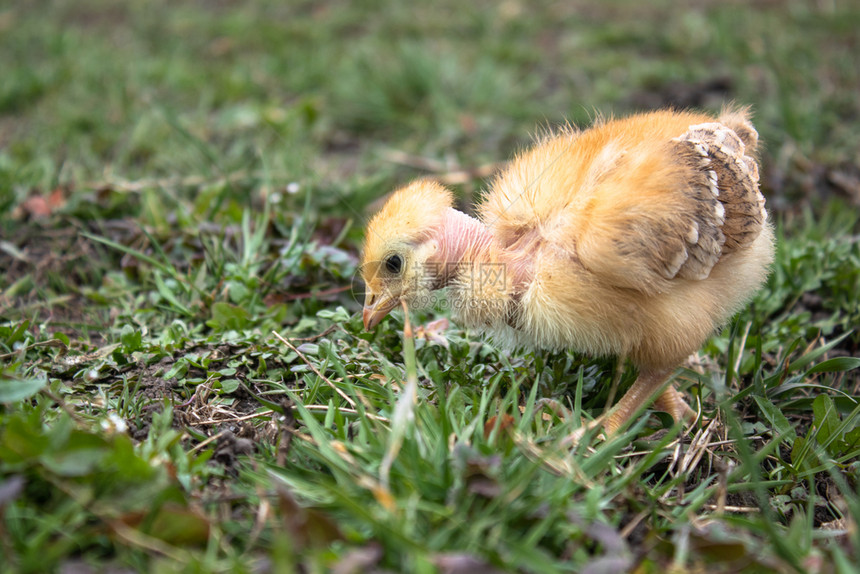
{"points": [[505, 423], [39, 206]]}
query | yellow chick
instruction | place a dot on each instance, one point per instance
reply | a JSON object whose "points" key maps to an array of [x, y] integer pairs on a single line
{"points": [[635, 238]]}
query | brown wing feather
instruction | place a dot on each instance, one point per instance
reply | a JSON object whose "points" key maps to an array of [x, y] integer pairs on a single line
{"points": [[725, 159], [710, 206]]}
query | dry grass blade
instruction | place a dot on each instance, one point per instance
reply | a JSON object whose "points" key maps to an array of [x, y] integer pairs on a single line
{"points": [[267, 413], [698, 447], [404, 410], [316, 371], [554, 463]]}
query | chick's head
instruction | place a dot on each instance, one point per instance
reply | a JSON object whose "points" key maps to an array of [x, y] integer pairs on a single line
{"points": [[400, 245]]}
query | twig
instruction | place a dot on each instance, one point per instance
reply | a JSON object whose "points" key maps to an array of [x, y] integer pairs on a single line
{"points": [[556, 464], [674, 442], [317, 336], [209, 440], [631, 526], [231, 420], [300, 435], [750, 509], [315, 370], [269, 412], [698, 447], [49, 343]]}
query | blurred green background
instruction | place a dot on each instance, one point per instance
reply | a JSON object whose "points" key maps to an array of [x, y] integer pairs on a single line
{"points": [[178, 96]]}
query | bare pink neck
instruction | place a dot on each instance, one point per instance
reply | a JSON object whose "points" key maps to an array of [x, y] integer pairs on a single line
{"points": [[462, 240]]}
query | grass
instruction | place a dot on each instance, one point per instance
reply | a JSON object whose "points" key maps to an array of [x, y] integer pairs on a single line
{"points": [[185, 384]]}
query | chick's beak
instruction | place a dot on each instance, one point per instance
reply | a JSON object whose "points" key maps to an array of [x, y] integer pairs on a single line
{"points": [[376, 307]]}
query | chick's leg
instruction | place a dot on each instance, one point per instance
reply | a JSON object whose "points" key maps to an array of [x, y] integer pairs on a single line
{"points": [[645, 387], [670, 401]]}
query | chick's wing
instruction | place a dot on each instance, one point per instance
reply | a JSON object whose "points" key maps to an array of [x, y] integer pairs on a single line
{"points": [[671, 210]]}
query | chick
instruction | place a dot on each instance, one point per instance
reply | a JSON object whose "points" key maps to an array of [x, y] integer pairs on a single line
{"points": [[635, 238]]}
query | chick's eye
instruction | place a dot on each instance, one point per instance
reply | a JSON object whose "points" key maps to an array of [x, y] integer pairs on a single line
{"points": [[393, 264]]}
